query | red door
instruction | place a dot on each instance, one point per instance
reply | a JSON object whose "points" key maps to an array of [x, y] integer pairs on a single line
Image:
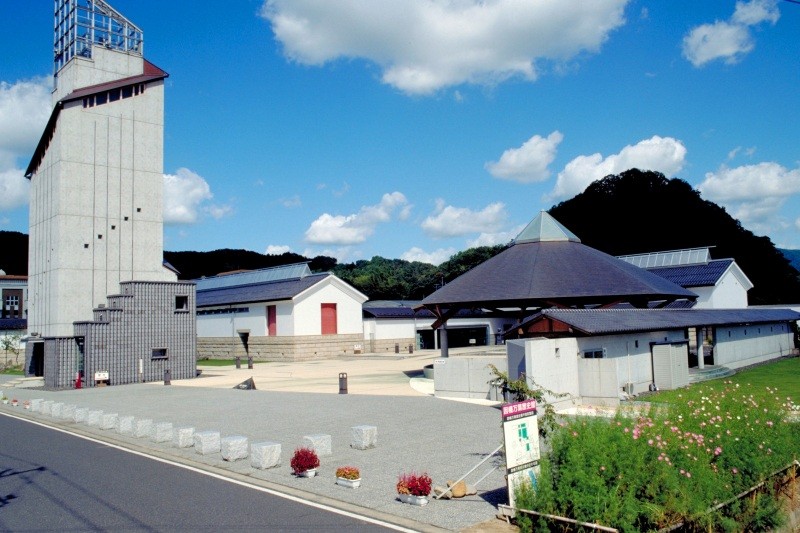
{"points": [[272, 326], [328, 319]]}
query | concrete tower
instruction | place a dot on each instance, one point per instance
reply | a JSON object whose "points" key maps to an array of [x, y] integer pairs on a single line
{"points": [[97, 172]]}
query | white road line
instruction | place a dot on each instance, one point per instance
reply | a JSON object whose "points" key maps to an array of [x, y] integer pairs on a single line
{"points": [[223, 478]]}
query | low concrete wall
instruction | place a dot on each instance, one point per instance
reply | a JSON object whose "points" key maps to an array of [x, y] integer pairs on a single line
{"points": [[387, 345], [467, 376], [296, 348]]}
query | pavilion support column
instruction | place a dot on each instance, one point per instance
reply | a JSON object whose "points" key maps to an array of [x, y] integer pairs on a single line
{"points": [[444, 343], [701, 342]]}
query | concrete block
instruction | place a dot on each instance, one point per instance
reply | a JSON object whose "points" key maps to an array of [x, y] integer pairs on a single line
{"points": [[109, 421], [142, 427], [206, 442], [183, 437], [36, 405], [319, 443], [265, 455], [68, 412], [125, 425], [81, 413], [56, 409], [94, 418], [161, 432], [47, 407], [363, 437], [233, 448]]}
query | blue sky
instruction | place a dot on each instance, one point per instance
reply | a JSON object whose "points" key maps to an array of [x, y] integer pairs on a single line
{"points": [[419, 128]]}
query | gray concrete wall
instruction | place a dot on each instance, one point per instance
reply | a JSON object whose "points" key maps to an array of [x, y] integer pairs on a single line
{"points": [[281, 348], [467, 376]]}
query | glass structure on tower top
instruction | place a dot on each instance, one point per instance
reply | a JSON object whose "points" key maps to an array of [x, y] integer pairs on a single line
{"points": [[81, 24]]}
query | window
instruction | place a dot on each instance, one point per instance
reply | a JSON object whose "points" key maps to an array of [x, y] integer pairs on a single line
{"points": [[159, 353], [328, 316], [181, 303], [593, 354]]}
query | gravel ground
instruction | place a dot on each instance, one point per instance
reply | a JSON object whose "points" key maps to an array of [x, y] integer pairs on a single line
{"points": [[419, 433]]}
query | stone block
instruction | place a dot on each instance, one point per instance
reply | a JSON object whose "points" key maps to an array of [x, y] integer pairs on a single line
{"points": [[68, 412], [161, 432], [363, 437], [126, 425], [47, 407], [142, 427], [81, 413], [36, 405], [233, 448], [56, 409], [94, 418], [319, 443], [183, 437], [206, 442], [265, 455], [109, 421]]}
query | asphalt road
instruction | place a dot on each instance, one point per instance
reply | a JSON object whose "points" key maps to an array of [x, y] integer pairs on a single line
{"points": [[52, 481]]}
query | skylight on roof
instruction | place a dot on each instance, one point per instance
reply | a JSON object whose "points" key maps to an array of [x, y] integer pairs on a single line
{"points": [[689, 256]]}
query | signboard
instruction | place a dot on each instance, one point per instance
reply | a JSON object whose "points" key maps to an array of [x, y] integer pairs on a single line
{"points": [[101, 376], [521, 439]]}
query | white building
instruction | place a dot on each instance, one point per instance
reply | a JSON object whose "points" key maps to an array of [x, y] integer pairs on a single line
{"points": [[97, 173], [102, 306], [279, 313], [718, 283]]}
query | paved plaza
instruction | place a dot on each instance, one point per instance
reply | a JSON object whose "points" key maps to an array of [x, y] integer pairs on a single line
{"points": [[415, 431]]}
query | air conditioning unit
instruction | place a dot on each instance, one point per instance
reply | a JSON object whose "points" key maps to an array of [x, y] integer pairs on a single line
{"points": [[628, 388]]}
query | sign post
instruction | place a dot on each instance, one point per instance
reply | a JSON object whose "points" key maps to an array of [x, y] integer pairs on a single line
{"points": [[521, 439]]}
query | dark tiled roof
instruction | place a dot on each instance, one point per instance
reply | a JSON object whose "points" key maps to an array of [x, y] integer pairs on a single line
{"points": [[13, 323], [698, 275], [540, 273], [408, 312], [258, 292], [605, 321]]}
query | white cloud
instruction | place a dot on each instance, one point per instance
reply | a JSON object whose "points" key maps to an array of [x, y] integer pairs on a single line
{"points": [[275, 249], [436, 257], [529, 163], [219, 211], [184, 192], [343, 254], [449, 221], [753, 194], [797, 224], [291, 202], [662, 154], [356, 228], [422, 46], [729, 40], [491, 239], [14, 189], [24, 110]]}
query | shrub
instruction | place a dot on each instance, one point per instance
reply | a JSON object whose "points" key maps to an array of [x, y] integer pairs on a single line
{"points": [[304, 459], [672, 464], [414, 484], [348, 472]]}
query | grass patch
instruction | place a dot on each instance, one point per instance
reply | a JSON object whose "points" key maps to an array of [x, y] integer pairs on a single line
{"points": [[224, 362], [783, 376], [13, 371]]}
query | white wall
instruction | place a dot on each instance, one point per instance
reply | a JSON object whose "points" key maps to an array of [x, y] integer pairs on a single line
{"points": [[551, 363], [746, 345], [389, 328], [308, 315]]}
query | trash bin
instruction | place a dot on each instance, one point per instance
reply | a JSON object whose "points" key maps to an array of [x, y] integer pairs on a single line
{"points": [[342, 383]]}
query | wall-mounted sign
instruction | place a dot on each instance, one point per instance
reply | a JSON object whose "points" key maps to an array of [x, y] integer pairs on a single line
{"points": [[521, 438], [101, 376]]}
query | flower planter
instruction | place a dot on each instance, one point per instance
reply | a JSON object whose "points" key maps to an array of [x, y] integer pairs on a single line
{"points": [[350, 483], [5, 402], [307, 473], [413, 500], [14, 403]]}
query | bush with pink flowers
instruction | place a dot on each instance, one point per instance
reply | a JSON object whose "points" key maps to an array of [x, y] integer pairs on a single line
{"points": [[671, 464]]}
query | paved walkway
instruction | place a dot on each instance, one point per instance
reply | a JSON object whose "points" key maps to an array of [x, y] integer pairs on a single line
{"points": [[416, 432]]}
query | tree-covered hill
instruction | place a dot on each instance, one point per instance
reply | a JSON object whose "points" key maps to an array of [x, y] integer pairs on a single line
{"points": [[793, 256], [14, 253], [194, 265], [641, 211]]}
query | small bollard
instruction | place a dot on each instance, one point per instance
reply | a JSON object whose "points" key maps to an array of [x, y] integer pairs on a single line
{"points": [[250, 362], [396, 347], [167, 377], [238, 362], [342, 383]]}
